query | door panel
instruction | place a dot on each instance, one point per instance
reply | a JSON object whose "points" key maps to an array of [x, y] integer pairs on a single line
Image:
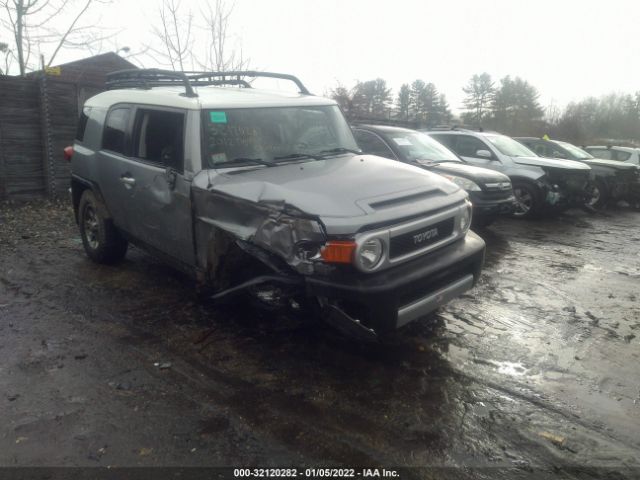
{"points": [[158, 213], [160, 202]]}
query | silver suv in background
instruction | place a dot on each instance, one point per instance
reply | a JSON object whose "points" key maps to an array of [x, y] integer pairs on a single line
{"points": [[266, 193], [621, 154], [539, 184]]}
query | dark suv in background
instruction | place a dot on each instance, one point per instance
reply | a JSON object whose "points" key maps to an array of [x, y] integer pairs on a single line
{"points": [[540, 185], [490, 192], [613, 180]]}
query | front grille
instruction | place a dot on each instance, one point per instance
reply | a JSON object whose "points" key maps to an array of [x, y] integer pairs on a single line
{"points": [[420, 238], [494, 195]]}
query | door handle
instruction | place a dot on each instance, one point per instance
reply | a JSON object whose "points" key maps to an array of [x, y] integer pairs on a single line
{"points": [[128, 182]]}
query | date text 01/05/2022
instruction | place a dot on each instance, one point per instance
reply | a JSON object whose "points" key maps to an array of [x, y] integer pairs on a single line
{"points": [[315, 472]]}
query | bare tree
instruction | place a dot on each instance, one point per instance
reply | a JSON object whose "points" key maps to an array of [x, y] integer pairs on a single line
{"points": [[6, 53], [220, 55], [480, 91], [174, 35], [34, 24]]}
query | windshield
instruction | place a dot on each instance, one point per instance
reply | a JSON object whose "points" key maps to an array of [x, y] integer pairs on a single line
{"points": [[416, 146], [268, 135], [575, 152], [508, 146]]}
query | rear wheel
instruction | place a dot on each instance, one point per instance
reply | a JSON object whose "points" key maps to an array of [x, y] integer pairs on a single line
{"points": [[528, 200], [101, 240]]}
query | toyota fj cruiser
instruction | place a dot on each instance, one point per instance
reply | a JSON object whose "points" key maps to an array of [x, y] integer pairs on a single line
{"points": [[266, 193]]}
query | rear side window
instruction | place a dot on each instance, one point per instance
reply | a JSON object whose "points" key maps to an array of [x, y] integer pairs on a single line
{"points": [[622, 156], [82, 123], [115, 130], [159, 138]]}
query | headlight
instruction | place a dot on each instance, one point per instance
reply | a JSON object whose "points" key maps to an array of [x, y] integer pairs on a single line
{"points": [[465, 217], [464, 183], [369, 254]]}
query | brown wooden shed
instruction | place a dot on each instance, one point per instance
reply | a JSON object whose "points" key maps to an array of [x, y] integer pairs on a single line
{"points": [[38, 117]]}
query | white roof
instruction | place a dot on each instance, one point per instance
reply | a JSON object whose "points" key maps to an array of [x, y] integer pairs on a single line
{"points": [[623, 149], [208, 97]]}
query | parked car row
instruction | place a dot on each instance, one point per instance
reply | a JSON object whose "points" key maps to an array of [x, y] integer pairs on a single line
{"points": [[546, 176], [267, 194], [490, 191]]}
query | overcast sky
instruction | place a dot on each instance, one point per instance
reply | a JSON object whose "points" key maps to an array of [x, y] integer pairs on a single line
{"points": [[567, 49]]}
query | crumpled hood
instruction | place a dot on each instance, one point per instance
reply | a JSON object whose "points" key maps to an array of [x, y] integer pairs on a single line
{"points": [[335, 187], [476, 174], [610, 163], [551, 163]]}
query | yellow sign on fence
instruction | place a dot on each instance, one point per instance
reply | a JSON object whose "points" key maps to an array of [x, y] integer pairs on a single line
{"points": [[56, 71]]}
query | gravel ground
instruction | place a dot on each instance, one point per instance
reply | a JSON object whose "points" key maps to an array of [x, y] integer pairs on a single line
{"points": [[536, 369]]}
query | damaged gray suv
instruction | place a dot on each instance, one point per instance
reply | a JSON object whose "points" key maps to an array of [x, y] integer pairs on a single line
{"points": [[266, 193]]}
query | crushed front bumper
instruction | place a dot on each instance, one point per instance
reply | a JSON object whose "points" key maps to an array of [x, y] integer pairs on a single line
{"points": [[392, 298]]}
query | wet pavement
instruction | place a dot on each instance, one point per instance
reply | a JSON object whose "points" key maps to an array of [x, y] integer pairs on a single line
{"points": [[536, 369]]}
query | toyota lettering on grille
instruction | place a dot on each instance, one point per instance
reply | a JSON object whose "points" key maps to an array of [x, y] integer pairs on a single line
{"points": [[426, 235]]}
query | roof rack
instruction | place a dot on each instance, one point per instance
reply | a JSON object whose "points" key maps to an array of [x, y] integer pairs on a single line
{"points": [[153, 77]]}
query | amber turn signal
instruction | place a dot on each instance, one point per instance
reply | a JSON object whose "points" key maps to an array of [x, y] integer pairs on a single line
{"points": [[338, 251]]}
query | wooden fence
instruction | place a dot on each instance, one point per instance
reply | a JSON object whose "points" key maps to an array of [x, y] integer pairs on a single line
{"points": [[38, 118]]}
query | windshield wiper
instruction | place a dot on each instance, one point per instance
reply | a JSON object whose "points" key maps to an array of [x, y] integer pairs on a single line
{"points": [[240, 160], [337, 151], [425, 161], [295, 156]]}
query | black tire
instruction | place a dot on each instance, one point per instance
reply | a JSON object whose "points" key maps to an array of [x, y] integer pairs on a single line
{"points": [[600, 194], [101, 240], [529, 201]]}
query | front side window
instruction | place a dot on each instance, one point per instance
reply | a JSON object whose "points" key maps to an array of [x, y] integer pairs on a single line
{"points": [[575, 153], [602, 153], [416, 147], [243, 135], [372, 144], [539, 148], [508, 146], [159, 138], [467, 146], [115, 130]]}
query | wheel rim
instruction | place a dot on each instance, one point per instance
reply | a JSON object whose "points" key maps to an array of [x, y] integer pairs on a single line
{"points": [[91, 230], [524, 201], [595, 196]]}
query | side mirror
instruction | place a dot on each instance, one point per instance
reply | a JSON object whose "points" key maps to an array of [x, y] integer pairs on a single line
{"points": [[483, 154]]}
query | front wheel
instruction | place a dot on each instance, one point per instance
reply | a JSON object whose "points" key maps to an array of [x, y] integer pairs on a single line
{"points": [[101, 240], [598, 194], [528, 200]]}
